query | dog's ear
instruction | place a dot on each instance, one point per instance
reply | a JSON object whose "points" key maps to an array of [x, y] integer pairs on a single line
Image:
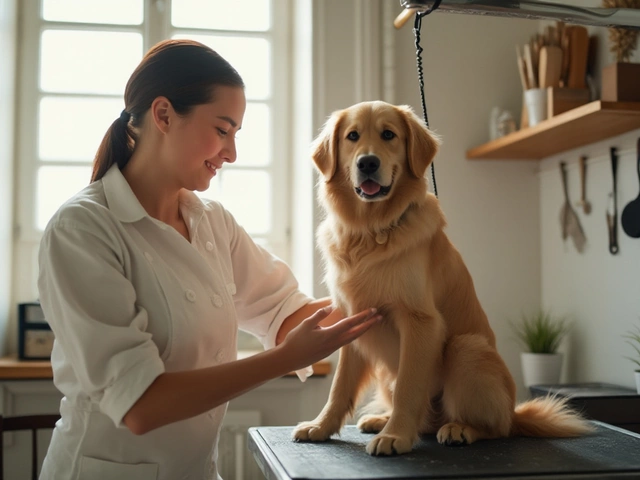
{"points": [[422, 143], [324, 149]]}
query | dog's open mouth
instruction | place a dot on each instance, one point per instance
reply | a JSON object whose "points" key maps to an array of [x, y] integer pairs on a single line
{"points": [[370, 189]]}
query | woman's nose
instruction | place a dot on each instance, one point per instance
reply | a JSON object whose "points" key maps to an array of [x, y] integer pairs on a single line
{"points": [[229, 152]]}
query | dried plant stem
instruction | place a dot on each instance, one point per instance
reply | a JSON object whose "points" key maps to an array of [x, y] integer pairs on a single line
{"points": [[623, 41]]}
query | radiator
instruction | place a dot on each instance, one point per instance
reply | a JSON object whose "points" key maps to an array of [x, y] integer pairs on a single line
{"points": [[235, 462]]}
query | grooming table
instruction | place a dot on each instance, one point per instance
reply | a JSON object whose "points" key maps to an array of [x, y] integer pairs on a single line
{"points": [[609, 452]]}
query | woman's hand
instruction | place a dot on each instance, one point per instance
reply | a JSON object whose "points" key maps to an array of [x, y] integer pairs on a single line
{"points": [[309, 342]]}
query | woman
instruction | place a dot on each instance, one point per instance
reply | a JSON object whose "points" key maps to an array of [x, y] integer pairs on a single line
{"points": [[145, 286]]}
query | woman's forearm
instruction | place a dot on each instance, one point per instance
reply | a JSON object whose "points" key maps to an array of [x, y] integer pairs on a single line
{"points": [[176, 396], [293, 320]]}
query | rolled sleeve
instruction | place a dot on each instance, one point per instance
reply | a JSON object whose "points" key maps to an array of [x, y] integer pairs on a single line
{"points": [[91, 307], [267, 291]]}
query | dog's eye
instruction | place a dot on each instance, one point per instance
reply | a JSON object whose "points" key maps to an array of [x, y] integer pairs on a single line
{"points": [[388, 135], [353, 136]]}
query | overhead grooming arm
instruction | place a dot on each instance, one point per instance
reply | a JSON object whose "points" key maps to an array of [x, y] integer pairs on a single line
{"points": [[530, 9]]}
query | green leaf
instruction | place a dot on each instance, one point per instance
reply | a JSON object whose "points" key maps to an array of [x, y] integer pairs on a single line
{"points": [[541, 332], [633, 339]]}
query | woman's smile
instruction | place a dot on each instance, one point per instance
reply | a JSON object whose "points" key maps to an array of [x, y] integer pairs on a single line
{"points": [[212, 168]]}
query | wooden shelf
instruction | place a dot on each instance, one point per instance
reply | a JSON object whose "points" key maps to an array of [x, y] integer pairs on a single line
{"points": [[13, 369], [584, 125]]}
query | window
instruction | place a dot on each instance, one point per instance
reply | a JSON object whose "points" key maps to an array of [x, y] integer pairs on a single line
{"points": [[75, 59]]}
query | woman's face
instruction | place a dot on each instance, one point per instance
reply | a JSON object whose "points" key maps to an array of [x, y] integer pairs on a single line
{"points": [[204, 140]]}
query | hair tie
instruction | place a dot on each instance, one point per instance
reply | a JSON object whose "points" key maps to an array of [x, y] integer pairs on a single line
{"points": [[125, 116]]}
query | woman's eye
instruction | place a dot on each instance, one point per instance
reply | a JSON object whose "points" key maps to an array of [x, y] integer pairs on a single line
{"points": [[221, 131], [353, 136], [388, 135]]}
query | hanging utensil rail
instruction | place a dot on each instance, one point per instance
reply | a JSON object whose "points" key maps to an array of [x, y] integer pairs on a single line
{"points": [[531, 9]]}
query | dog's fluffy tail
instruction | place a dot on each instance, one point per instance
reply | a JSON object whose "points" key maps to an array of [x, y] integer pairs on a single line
{"points": [[548, 417]]}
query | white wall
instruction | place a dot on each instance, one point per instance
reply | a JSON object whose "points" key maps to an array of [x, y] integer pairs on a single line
{"points": [[599, 291], [492, 207], [8, 35]]}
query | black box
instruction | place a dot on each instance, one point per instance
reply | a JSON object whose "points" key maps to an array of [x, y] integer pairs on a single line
{"points": [[613, 404], [35, 338]]}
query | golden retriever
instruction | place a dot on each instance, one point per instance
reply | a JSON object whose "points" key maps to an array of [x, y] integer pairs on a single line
{"points": [[434, 354]]}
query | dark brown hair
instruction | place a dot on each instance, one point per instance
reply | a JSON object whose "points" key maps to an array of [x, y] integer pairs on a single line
{"points": [[184, 71]]}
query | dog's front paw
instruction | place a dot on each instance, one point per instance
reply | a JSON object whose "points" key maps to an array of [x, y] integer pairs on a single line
{"points": [[452, 434], [385, 444], [372, 423], [313, 431]]}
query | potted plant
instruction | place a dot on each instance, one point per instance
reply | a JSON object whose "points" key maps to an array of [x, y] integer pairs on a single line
{"points": [[620, 79], [633, 339], [541, 334]]}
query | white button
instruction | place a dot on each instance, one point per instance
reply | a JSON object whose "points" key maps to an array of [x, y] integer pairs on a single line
{"points": [[231, 288], [208, 246], [217, 300], [148, 256], [191, 295], [220, 355]]}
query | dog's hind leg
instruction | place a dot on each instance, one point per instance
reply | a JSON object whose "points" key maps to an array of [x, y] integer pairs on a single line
{"points": [[479, 393], [372, 423], [377, 413], [352, 376]]}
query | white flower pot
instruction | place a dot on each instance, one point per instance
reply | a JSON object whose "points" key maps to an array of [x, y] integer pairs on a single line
{"points": [[541, 368], [638, 381]]}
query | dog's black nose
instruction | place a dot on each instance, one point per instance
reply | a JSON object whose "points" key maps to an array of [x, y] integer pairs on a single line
{"points": [[368, 164]]}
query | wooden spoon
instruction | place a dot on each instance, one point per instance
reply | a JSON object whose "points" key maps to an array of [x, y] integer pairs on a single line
{"points": [[550, 69]]}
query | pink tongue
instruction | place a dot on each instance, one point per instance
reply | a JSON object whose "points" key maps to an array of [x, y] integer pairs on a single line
{"points": [[370, 187]]}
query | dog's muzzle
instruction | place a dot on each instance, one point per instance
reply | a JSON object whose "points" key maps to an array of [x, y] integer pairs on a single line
{"points": [[368, 178]]}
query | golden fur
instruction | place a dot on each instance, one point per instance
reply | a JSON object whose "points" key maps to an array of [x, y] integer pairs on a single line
{"points": [[434, 354]]}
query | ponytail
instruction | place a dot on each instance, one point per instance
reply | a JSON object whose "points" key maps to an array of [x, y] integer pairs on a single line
{"points": [[116, 147]]}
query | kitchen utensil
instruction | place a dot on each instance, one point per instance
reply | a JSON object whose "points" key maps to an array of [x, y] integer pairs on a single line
{"points": [[569, 221], [584, 203], [532, 72], [612, 216], [630, 218], [566, 55], [591, 68], [550, 66], [522, 69], [579, 48]]}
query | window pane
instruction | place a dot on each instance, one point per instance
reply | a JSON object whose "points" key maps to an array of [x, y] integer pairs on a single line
{"points": [[88, 62], [55, 186], [251, 57], [254, 139], [247, 195], [72, 128], [222, 14], [120, 12]]}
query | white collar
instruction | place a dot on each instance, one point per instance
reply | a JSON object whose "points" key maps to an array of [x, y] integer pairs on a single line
{"points": [[124, 204]]}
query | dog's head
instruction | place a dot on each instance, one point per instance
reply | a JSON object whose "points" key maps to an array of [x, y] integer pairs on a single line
{"points": [[374, 149]]}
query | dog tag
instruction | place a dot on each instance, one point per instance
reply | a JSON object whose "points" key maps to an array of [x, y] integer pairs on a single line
{"points": [[381, 238]]}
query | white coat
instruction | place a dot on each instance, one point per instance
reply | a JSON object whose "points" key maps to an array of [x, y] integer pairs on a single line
{"points": [[129, 298]]}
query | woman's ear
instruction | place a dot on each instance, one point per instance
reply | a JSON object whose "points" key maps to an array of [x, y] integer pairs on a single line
{"points": [[161, 113], [422, 143], [324, 149]]}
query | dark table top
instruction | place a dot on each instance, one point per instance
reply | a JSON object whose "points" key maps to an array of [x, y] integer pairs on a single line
{"points": [[609, 452]]}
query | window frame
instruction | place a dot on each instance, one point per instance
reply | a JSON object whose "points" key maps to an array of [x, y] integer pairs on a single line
{"points": [[156, 26]]}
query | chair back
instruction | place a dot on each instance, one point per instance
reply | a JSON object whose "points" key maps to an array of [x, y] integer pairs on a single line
{"points": [[26, 422]]}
